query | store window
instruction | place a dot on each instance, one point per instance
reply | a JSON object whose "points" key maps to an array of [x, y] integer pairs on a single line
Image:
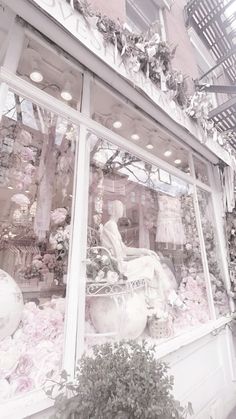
{"points": [[123, 119], [51, 71], [37, 151], [144, 267]]}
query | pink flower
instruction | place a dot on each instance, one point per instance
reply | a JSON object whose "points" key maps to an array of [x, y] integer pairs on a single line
{"points": [[22, 384], [38, 264], [27, 154], [26, 179], [24, 366], [29, 169], [58, 216]]}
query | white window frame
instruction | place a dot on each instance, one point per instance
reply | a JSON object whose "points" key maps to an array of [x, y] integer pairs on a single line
{"points": [[35, 401]]}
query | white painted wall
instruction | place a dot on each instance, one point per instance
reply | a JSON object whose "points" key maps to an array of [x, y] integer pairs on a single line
{"points": [[203, 375]]}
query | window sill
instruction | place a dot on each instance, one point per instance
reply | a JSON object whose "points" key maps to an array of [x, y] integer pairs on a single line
{"points": [[36, 401], [190, 336]]}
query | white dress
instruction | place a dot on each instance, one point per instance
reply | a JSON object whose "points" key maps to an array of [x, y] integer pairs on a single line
{"points": [[138, 267], [170, 228]]}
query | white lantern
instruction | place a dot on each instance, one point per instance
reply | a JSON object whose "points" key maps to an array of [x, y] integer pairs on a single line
{"points": [[11, 305]]}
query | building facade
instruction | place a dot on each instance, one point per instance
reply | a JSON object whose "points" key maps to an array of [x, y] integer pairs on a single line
{"points": [[112, 206]]}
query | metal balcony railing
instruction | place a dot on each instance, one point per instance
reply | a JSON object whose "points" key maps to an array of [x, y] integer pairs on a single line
{"points": [[214, 21]]}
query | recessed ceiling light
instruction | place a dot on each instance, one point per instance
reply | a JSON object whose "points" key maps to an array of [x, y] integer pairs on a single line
{"points": [[66, 91], [135, 137], [66, 95], [178, 161], [168, 153], [149, 146], [36, 76], [10, 187], [117, 124], [27, 191]]}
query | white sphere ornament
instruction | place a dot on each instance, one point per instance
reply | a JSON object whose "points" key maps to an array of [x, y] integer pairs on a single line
{"points": [[11, 305]]}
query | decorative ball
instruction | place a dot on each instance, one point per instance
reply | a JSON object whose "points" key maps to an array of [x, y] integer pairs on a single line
{"points": [[11, 305], [124, 315]]}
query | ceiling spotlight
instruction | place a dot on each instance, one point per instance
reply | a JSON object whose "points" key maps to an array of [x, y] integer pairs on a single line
{"points": [[178, 161], [135, 137], [149, 145], [68, 82], [27, 191], [66, 92], [34, 59], [36, 76], [116, 116], [10, 187], [167, 153], [117, 124], [135, 129]]}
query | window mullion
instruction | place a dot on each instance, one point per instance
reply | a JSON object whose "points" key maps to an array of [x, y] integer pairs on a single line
{"points": [[76, 291], [75, 301]]}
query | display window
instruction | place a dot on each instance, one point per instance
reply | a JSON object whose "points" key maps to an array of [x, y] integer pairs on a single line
{"points": [[145, 276], [37, 153]]}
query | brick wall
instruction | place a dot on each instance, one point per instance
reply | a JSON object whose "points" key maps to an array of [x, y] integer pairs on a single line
{"points": [[112, 8], [176, 32]]}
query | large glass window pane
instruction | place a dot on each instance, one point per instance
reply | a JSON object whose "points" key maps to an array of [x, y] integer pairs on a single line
{"points": [[37, 150], [144, 268], [213, 252]]}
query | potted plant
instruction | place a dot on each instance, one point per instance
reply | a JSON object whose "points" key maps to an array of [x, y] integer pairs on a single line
{"points": [[122, 381]]}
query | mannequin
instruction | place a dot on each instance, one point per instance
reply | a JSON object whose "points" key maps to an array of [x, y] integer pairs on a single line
{"points": [[138, 263]]}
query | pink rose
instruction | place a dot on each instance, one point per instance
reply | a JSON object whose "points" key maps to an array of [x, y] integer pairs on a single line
{"points": [[27, 154], [24, 366], [29, 169], [26, 179], [22, 384]]}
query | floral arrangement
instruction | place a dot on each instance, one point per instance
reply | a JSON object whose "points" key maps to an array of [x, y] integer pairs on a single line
{"points": [[199, 105], [192, 292], [123, 381], [34, 350], [145, 52], [101, 267]]}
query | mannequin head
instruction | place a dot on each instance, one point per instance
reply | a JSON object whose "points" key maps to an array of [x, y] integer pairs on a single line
{"points": [[117, 209]]}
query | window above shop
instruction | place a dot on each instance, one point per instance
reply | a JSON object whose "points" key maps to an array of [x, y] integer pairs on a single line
{"points": [[51, 71], [141, 14]]}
